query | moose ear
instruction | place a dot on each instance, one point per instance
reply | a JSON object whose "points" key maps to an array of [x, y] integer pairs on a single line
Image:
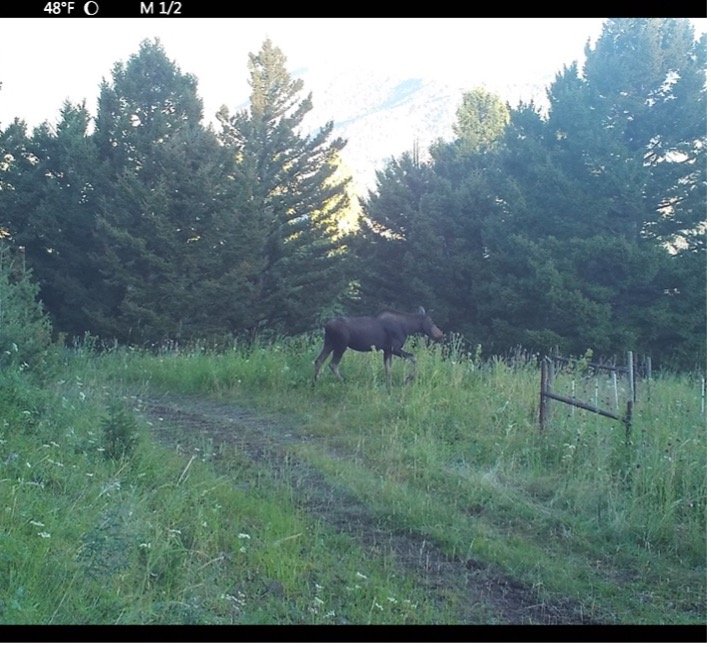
{"points": [[421, 311]]}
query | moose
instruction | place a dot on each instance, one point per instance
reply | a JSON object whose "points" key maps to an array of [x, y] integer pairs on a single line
{"points": [[387, 332]]}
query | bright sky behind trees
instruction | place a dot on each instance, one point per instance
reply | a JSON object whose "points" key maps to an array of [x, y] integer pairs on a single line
{"points": [[70, 56], [47, 61]]}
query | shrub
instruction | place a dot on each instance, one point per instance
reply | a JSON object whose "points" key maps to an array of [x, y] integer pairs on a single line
{"points": [[25, 330], [120, 432]]}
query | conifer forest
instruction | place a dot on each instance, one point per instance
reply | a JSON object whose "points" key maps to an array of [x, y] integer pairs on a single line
{"points": [[579, 227]]}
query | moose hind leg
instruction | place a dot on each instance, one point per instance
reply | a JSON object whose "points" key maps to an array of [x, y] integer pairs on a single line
{"points": [[318, 362], [337, 355]]}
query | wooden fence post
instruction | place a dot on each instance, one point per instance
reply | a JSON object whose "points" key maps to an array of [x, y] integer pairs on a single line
{"points": [[546, 387], [542, 413], [703, 393], [631, 396]]}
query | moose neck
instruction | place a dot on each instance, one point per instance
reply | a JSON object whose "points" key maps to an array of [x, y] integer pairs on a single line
{"points": [[411, 322]]}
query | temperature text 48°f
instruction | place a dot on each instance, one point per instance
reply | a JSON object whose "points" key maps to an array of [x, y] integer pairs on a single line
{"points": [[171, 8], [59, 8]]}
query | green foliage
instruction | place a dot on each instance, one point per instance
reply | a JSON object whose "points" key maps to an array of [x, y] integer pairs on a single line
{"points": [[481, 119], [385, 245], [169, 207], [295, 268], [582, 228], [194, 529], [48, 208], [636, 123], [25, 331], [120, 432]]}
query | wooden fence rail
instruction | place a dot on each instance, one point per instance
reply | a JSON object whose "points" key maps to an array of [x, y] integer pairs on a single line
{"points": [[547, 374]]}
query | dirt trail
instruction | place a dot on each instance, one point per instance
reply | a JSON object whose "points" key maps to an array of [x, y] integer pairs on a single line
{"points": [[480, 590]]}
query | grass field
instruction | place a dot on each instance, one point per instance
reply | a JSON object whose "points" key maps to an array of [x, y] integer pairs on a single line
{"points": [[111, 515]]}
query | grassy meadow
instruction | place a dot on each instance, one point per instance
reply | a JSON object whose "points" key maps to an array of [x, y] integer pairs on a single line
{"points": [[101, 523]]}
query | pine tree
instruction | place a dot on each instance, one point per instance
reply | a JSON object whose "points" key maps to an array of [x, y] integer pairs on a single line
{"points": [[25, 330], [164, 218], [50, 210], [607, 185], [481, 119], [388, 241], [636, 121], [581, 228], [296, 269], [423, 238]]}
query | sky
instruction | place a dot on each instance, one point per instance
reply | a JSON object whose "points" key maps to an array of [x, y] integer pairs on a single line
{"points": [[45, 61]]}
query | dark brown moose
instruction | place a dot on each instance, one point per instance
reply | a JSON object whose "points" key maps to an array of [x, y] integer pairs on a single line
{"points": [[387, 332]]}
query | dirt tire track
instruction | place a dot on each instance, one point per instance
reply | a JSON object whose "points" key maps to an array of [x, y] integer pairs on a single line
{"points": [[481, 590]]}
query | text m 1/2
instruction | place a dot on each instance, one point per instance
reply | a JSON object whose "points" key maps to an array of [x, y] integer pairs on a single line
{"points": [[172, 8]]}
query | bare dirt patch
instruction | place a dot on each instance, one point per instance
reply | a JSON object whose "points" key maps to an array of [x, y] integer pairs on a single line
{"points": [[480, 591]]}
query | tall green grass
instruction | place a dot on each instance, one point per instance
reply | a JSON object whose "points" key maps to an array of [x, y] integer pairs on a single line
{"points": [[141, 534], [578, 509], [577, 512], [461, 413]]}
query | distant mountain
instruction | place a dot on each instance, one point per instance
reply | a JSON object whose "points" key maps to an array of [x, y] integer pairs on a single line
{"points": [[382, 116]]}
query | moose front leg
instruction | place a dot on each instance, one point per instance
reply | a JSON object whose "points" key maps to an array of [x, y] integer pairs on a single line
{"points": [[388, 363], [410, 358], [413, 372]]}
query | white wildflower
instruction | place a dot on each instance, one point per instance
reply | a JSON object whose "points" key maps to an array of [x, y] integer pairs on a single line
{"points": [[110, 487]]}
